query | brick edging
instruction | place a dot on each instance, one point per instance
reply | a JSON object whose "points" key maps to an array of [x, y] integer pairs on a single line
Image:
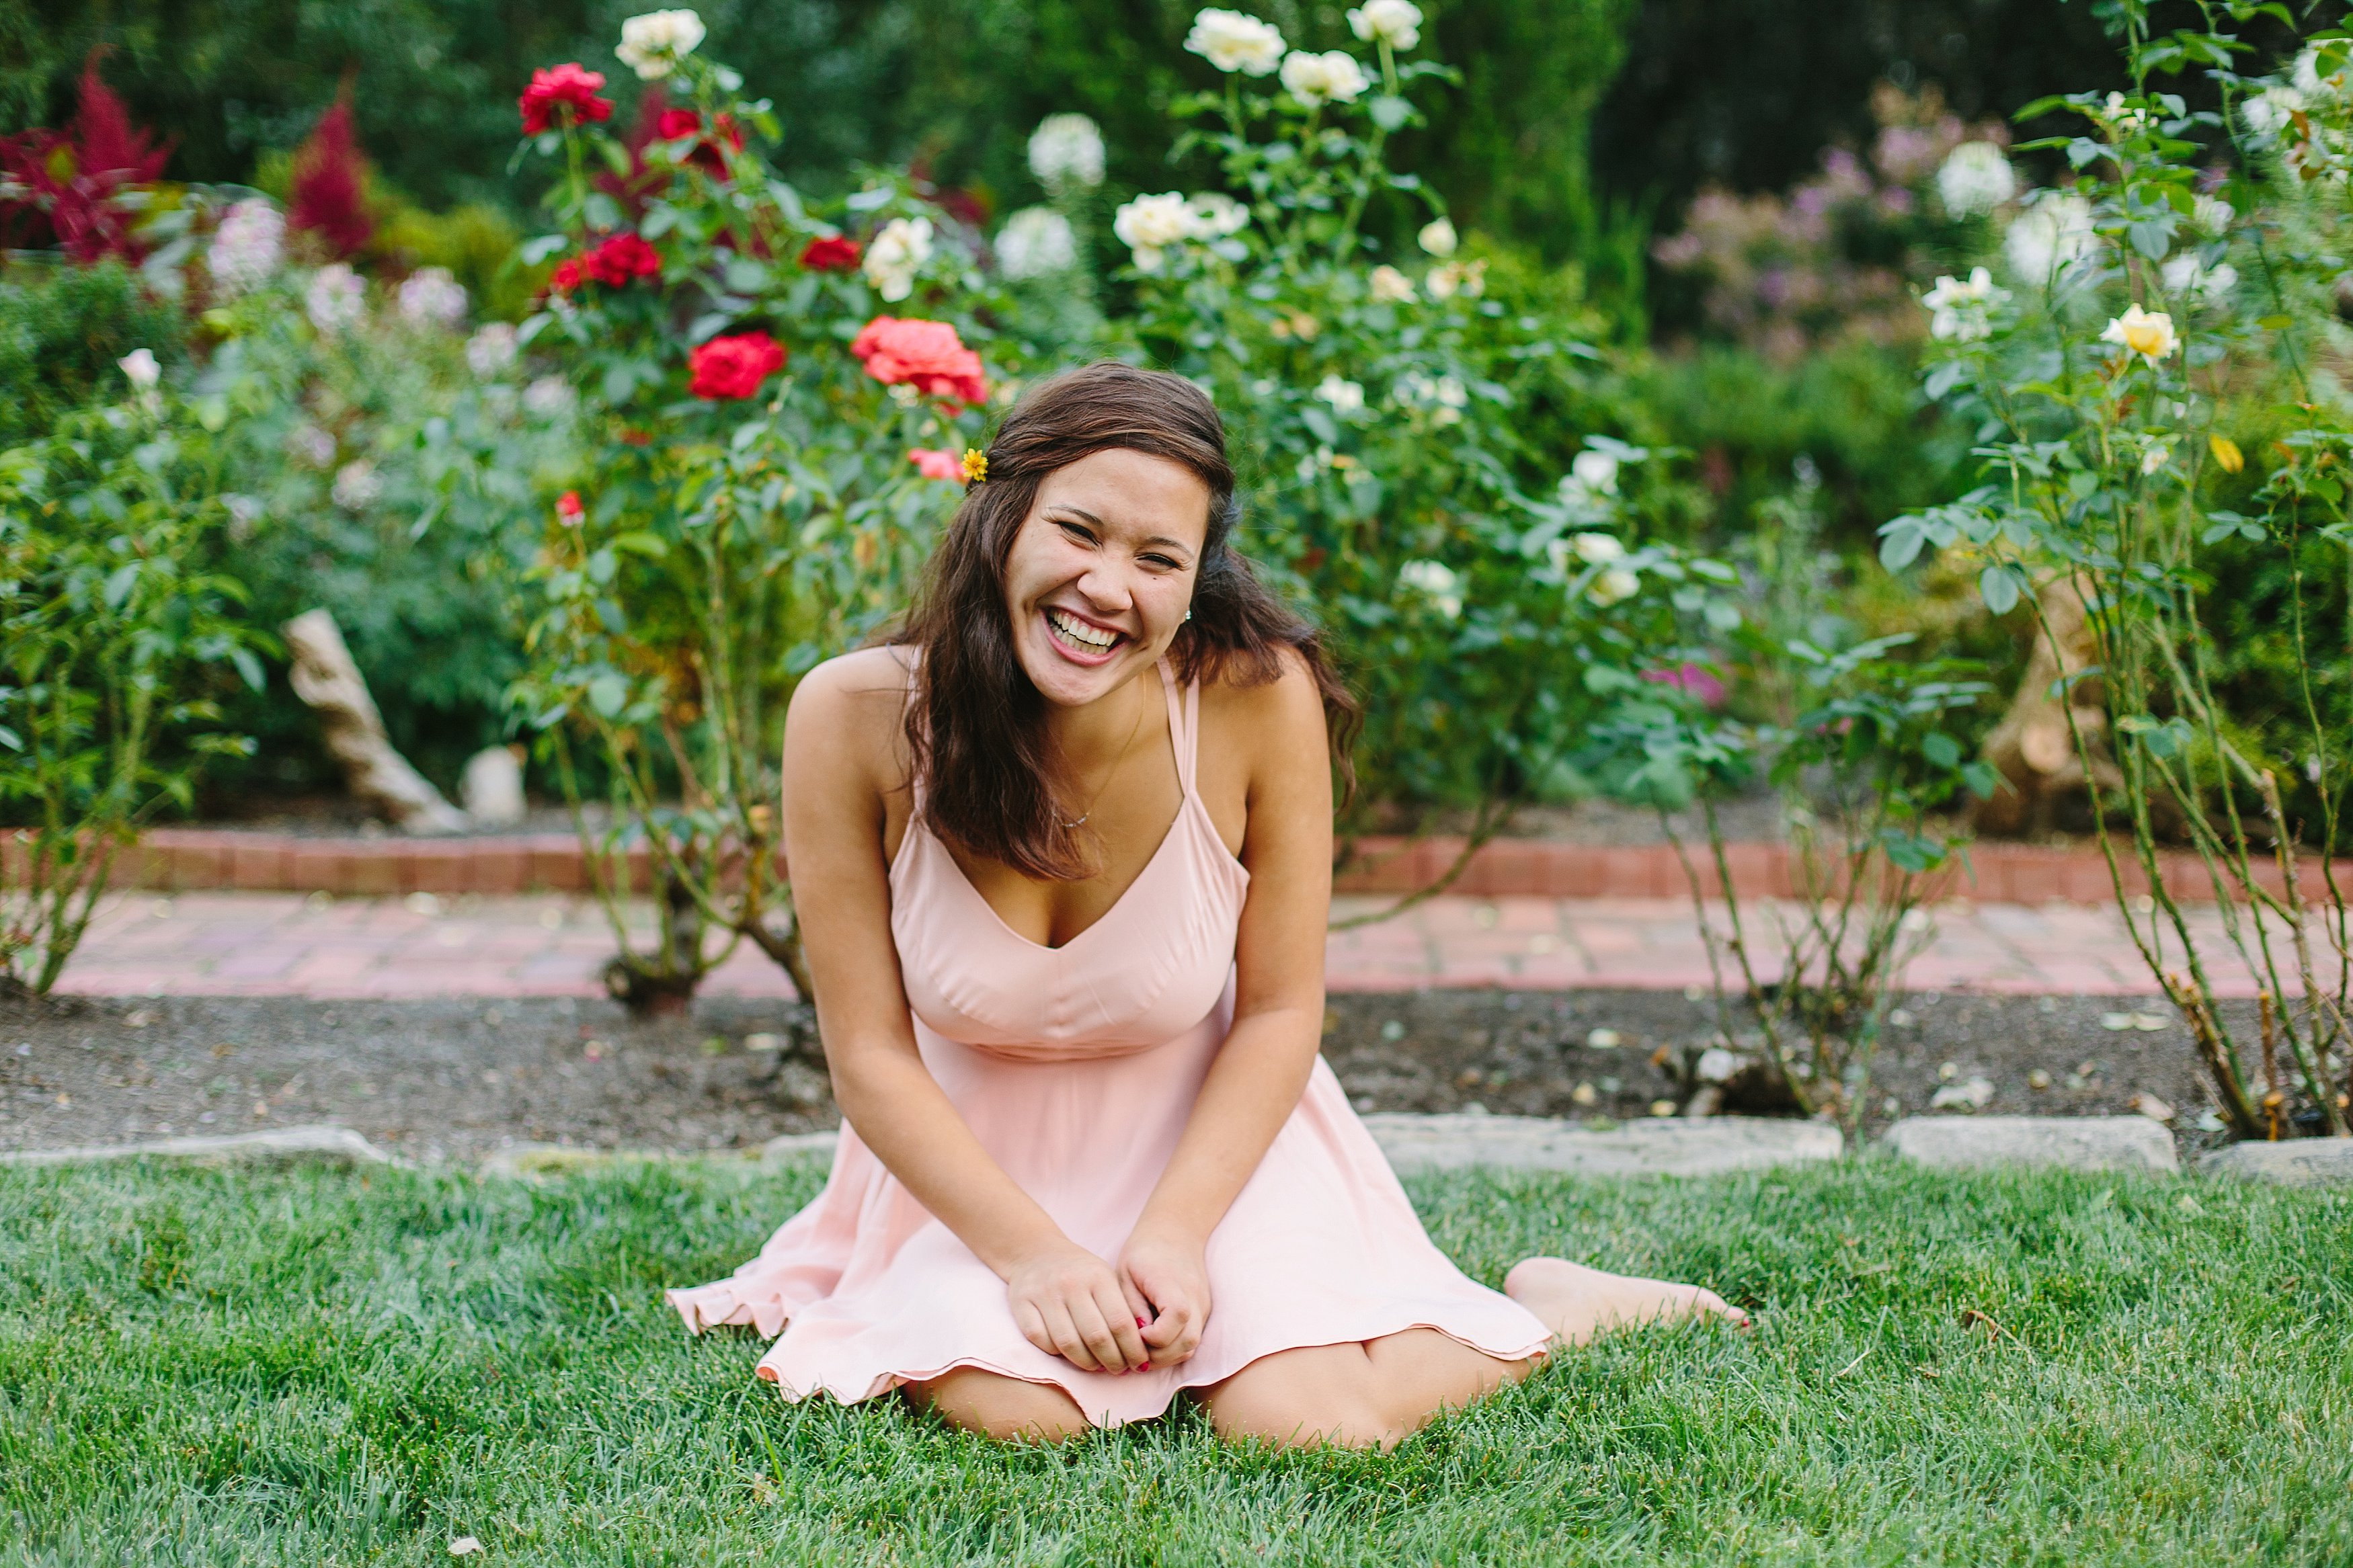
{"points": [[193, 858]]}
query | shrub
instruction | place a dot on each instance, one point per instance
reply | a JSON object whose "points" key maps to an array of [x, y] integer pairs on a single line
{"points": [[62, 330], [112, 628]]}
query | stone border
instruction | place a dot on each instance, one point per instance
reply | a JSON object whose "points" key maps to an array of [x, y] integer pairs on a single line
{"points": [[2076, 1142], [338, 1145], [187, 860]]}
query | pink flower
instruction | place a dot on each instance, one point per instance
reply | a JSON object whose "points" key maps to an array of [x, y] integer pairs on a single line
{"points": [[937, 464], [927, 356], [735, 365], [1694, 678], [568, 86]]}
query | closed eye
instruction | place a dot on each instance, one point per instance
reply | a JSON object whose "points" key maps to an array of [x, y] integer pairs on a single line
{"points": [[1076, 531]]}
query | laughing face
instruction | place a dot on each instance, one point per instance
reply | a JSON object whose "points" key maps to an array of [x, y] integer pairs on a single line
{"points": [[1102, 572]]}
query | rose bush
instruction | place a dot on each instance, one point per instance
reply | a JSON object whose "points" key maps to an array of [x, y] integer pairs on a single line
{"points": [[761, 480], [2164, 318]]}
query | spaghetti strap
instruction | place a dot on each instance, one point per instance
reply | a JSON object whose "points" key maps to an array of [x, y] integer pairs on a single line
{"points": [[1184, 725]]}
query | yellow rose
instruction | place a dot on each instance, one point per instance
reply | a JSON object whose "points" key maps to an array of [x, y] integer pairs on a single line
{"points": [[2148, 333]]}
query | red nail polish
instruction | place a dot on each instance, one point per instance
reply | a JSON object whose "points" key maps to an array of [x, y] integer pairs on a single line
{"points": [[1142, 1323]]}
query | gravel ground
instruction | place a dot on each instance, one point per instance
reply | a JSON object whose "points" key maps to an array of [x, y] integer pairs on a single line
{"points": [[458, 1077]]}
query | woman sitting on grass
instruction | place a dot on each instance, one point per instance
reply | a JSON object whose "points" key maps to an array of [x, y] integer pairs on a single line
{"points": [[1062, 854]]}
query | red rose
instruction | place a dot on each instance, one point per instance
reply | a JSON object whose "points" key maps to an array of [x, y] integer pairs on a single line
{"points": [[621, 258], [567, 277], [831, 253], [927, 356], [569, 508], [568, 85], [735, 366], [937, 465], [676, 123]]}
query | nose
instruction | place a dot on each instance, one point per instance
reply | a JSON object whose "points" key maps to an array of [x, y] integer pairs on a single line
{"points": [[1105, 586]]}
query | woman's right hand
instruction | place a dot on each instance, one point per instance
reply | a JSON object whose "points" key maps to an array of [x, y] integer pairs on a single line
{"points": [[1069, 1302]]}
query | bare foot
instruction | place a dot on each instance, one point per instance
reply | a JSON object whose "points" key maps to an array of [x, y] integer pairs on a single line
{"points": [[1577, 1302]]}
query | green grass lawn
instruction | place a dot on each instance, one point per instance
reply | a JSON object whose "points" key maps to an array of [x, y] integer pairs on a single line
{"points": [[312, 1367]]}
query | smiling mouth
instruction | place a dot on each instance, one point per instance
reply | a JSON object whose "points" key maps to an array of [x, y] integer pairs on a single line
{"points": [[1081, 636]]}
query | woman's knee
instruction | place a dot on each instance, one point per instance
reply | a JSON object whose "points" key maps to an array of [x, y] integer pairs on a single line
{"points": [[1305, 1398], [1006, 1408]]}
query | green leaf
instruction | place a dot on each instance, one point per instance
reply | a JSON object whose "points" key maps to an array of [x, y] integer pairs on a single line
{"points": [[1389, 112], [1941, 750], [1998, 586], [609, 694]]}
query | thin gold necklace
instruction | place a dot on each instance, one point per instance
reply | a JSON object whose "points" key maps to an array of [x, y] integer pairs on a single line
{"points": [[1134, 731]]}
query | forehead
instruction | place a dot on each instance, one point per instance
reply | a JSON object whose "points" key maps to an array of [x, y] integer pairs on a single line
{"points": [[1133, 493]]}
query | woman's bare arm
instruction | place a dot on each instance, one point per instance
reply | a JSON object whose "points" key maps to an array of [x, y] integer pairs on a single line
{"points": [[840, 763], [1263, 1068]]}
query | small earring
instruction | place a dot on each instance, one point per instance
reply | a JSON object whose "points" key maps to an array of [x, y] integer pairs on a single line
{"points": [[1188, 614]]}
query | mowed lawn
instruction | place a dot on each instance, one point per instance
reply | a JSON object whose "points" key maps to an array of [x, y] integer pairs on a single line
{"points": [[317, 1366]]}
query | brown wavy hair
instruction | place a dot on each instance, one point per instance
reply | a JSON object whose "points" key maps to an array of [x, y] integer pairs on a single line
{"points": [[975, 726]]}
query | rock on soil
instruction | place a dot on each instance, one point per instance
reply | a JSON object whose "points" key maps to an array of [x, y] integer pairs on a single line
{"points": [[2296, 1163], [1666, 1147], [2077, 1143]]}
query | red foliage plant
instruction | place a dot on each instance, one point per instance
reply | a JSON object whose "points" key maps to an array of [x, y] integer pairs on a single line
{"points": [[734, 366], [61, 188], [329, 194]]}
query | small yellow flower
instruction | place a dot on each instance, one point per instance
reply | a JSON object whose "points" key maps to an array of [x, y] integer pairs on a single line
{"points": [[2148, 333], [2226, 452], [976, 465]]}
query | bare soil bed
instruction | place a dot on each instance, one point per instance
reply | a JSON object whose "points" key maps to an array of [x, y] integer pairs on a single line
{"points": [[456, 1078]]}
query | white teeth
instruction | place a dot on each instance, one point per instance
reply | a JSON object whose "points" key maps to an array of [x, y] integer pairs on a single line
{"points": [[1079, 632]]}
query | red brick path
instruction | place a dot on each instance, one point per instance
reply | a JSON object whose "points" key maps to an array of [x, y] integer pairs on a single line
{"points": [[248, 943]]}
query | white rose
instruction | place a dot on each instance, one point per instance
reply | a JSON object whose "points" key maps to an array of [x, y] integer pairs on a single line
{"points": [[2213, 215], [1067, 149], [140, 369], [1452, 278], [336, 298], [1616, 585], [549, 397], [1396, 22], [1233, 42], [1390, 286], [2049, 237], [429, 297], [1439, 238], [356, 486], [1437, 582], [1312, 79], [1035, 242], [1595, 471], [1215, 214], [651, 45], [904, 245], [1962, 311], [246, 248], [1149, 224], [1344, 396], [2269, 111], [490, 350], [1975, 179], [2186, 275], [1597, 549]]}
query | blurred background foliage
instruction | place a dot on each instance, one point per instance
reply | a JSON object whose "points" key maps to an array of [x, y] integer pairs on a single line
{"points": [[1731, 195]]}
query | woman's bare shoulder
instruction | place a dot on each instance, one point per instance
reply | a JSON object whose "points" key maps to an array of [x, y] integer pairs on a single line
{"points": [[855, 702], [1286, 710]]}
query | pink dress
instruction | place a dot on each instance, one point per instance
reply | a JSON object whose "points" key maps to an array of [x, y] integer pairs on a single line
{"points": [[1077, 1068]]}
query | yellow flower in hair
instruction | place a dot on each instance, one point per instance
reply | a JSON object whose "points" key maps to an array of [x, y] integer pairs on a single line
{"points": [[976, 465]]}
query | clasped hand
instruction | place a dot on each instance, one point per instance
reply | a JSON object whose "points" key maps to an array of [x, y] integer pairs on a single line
{"points": [[1146, 1311]]}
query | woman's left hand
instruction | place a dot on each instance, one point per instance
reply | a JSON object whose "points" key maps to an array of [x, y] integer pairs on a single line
{"points": [[1169, 1283]]}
